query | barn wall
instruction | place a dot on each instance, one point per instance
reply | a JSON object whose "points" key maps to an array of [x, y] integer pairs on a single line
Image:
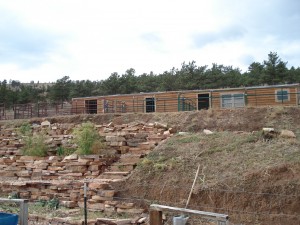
{"points": [[217, 95], [168, 101], [267, 97]]}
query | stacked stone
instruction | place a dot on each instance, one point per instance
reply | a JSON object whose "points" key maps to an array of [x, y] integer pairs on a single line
{"points": [[39, 178], [53, 167], [9, 142], [56, 135], [138, 138]]}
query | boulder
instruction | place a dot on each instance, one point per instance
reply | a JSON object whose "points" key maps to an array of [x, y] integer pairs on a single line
{"points": [[205, 131], [160, 125], [45, 123], [71, 157], [287, 134]]}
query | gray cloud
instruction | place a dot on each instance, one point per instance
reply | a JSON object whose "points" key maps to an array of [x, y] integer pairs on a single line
{"points": [[23, 45]]}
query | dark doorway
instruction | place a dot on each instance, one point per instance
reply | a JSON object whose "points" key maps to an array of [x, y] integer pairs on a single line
{"points": [[203, 101], [91, 106], [150, 105]]}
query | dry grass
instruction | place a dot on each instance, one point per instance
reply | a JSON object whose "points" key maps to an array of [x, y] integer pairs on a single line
{"points": [[225, 158]]}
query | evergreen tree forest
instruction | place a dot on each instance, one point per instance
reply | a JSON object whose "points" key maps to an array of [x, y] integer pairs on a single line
{"points": [[189, 77]]}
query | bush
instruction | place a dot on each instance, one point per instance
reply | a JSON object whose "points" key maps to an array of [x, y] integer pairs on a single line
{"points": [[34, 145], [25, 129], [87, 139]]}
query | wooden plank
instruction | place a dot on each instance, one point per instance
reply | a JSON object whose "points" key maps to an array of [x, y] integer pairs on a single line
{"points": [[220, 217], [190, 195], [156, 217]]}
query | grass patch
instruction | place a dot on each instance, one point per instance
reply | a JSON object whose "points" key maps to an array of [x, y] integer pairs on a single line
{"points": [[180, 139], [158, 163]]}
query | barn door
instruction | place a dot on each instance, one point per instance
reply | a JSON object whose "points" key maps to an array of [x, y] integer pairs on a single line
{"points": [[203, 101]]}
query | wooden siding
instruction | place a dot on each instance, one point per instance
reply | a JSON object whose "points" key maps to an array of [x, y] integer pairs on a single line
{"points": [[217, 96], [267, 97], [168, 101]]}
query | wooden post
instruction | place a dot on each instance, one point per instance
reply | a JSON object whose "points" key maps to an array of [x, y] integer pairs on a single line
{"points": [[190, 195], [156, 217]]}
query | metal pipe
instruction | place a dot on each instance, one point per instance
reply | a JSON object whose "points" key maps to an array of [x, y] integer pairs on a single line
{"points": [[85, 205]]}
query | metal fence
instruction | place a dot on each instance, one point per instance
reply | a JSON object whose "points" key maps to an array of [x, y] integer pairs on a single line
{"points": [[32, 110]]}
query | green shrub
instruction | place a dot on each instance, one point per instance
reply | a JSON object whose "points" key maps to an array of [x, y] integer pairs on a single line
{"points": [[53, 203], [60, 151], [50, 204], [34, 145], [25, 129], [87, 139]]}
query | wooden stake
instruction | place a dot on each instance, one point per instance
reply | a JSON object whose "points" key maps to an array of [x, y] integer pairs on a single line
{"points": [[190, 195], [156, 217]]}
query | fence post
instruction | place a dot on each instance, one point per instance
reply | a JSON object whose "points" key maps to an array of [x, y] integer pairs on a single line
{"points": [[24, 212], [155, 217], [85, 203]]}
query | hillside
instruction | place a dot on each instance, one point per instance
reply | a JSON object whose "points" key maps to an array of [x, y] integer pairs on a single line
{"points": [[241, 175], [253, 180]]}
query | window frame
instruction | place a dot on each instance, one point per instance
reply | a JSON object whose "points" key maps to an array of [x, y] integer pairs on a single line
{"points": [[233, 103], [281, 95]]}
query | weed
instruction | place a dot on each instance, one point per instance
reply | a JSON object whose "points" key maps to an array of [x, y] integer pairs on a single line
{"points": [[60, 151], [50, 204], [160, 166], [53, 203], [14, 195], [145, 162]]}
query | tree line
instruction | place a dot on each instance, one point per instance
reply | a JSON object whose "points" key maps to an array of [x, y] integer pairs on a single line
{"points": [[189, 77]]}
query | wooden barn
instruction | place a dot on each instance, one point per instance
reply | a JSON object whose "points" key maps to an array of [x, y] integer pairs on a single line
{"points": [[174, 101]]}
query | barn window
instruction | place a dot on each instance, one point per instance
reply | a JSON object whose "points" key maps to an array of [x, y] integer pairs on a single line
{"points": [[91, 106], [150, 105], [282, 95], [232, 101]]}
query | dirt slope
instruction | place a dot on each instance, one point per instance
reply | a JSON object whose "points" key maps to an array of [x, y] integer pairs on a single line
{"points": [[254, 181]]}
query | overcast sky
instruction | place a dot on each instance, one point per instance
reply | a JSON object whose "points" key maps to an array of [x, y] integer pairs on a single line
{"points": [[44, 40]]}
